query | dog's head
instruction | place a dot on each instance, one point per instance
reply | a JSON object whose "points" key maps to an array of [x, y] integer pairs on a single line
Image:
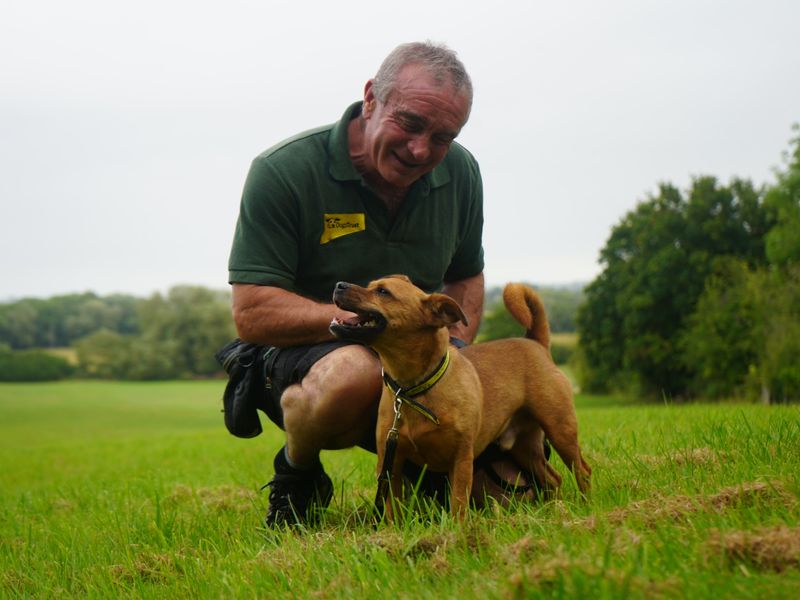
{"points": [[391, 305]]}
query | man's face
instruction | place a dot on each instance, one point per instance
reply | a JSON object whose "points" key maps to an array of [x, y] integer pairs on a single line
{"points": [[409, 134]]}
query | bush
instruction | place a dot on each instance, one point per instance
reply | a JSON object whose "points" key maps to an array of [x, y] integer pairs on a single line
{"points": [[562, 353], [32, 365]]}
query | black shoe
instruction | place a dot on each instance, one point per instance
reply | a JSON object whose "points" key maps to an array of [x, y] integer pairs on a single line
{"points": [[297, 496]]}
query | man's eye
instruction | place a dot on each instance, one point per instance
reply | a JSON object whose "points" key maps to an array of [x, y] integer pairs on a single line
{"points": [[411, 126]]}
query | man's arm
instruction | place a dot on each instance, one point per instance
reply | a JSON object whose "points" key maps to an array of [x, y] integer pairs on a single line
{"points": [[275, 317], [469, 294]]}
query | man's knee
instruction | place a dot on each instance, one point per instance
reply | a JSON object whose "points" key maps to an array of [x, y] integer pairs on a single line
{"points": [[339, 391]]}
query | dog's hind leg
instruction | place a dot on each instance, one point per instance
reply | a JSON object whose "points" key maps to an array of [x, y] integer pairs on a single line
{"points": [[528, 452], [565, 442]]}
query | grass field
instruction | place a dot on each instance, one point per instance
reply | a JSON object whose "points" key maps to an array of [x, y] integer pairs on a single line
{"points": [[136, 490]]}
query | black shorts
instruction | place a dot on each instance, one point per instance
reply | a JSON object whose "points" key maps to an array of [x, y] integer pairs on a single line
{"points": [[286, 366]]}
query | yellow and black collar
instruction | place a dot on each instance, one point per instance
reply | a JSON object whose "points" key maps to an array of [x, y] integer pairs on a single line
{"points": [[407, 395]]}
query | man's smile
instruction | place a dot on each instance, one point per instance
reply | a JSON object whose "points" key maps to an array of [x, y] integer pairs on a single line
{"points": [[406, 164]]}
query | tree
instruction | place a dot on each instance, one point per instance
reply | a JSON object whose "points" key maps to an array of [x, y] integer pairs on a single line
{"points": [[60, 320], [655, 265], [179, 334], [779, 368], [744, 337], [497, 324], [562, 305], [720, 343], [18, 327], [191, 321], [783, 240], [103, 354]]}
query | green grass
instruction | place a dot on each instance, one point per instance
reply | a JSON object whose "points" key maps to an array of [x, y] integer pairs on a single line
{"points": [[136, 490]]}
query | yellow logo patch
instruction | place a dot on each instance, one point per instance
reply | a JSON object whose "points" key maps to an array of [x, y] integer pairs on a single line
{"points": [[337, 225]]}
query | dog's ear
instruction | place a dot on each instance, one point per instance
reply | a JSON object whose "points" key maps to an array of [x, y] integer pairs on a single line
{"points": [[443, 310]]}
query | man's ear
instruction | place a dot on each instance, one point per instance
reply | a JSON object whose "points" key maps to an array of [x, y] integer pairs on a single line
{"points": [[443, 311], [369, 99]]}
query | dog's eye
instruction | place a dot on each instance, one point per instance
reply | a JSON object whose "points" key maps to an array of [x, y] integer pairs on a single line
{"points": [[382, 291]]}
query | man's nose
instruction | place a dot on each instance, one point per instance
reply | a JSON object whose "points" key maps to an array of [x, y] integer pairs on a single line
{"points": [[420, 148]]}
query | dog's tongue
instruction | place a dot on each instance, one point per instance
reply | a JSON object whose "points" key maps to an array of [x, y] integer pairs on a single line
{"points": [[350, 322]]}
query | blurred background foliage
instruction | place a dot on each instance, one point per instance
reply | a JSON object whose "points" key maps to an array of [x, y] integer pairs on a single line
{"points": [[698, 296]]}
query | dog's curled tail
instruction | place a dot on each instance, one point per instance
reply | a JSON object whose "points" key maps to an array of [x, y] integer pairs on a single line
{"points": [[527, 308]]}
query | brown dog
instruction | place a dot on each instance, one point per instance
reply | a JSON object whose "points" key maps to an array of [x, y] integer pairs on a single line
{"points": [[448, 414]]}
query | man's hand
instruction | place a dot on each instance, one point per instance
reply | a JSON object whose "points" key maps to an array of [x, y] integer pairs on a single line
{"points": [[276, 317]]}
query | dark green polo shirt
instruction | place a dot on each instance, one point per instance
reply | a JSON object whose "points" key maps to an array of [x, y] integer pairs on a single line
{"points": [[308, 220]]}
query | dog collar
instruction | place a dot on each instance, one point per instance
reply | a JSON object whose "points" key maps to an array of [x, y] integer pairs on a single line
{"points": [[407, 395]]}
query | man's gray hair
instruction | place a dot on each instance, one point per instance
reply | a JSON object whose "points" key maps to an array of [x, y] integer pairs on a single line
{"points": [[438, 60]]}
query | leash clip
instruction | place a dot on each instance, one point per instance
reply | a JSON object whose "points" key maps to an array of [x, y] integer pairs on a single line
{"points": [[398, 404]]}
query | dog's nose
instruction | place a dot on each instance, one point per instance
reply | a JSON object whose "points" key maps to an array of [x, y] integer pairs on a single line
{"points": [[340, 288]]}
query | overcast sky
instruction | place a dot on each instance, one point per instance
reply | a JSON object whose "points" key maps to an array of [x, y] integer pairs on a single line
{"points": [[127, 129]]}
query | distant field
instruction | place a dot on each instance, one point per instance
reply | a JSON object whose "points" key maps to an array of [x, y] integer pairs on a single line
{"points": [[565, 339], [68, 354], [136, 490]]}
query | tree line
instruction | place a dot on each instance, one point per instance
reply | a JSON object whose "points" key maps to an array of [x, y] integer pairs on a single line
{"points": [[167, 336], [59, 321], [699, 294], [161, 337]]}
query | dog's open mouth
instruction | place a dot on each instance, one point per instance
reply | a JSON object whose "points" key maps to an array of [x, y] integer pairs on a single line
{"points": [[363, 327]]}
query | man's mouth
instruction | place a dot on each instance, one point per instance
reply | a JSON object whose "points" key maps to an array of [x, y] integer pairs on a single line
{"points": [[405, 163]]}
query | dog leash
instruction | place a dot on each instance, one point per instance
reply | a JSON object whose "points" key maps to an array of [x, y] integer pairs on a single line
{"points": [[404, 396]]}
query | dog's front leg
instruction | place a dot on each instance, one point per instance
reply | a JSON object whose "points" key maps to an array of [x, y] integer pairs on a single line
{"points": [[461, 481]]}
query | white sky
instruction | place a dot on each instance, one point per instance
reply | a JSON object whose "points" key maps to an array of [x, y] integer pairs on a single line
{"points": [[126, 129]]}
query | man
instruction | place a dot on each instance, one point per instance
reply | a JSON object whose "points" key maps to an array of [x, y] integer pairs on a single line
{"points": [[384, 190]]}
